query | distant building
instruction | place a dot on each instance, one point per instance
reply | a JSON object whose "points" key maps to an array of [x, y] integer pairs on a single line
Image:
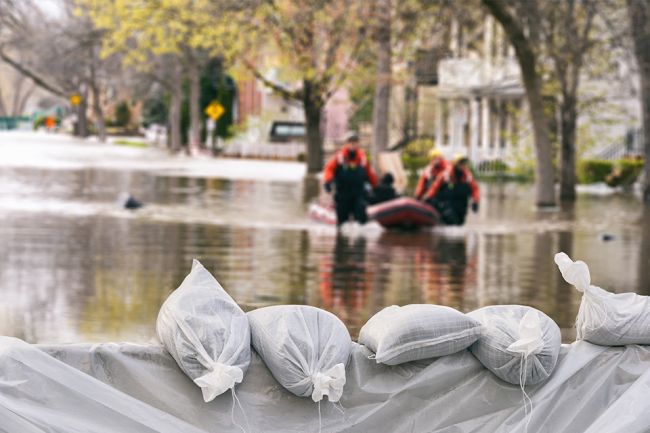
{"points": [[470, 98], [260, 107]]}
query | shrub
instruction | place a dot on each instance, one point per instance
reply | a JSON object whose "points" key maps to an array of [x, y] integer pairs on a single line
{"points": [[122, 114], [414, 163], [625, 173], [494, 166], [593, 170], [40, 121], [415, 154]]}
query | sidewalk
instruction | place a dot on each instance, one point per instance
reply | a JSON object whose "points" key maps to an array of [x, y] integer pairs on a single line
{"points": [[60, 151]]}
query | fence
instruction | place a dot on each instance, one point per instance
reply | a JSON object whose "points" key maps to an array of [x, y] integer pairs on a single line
{"points": [[15, 122]]}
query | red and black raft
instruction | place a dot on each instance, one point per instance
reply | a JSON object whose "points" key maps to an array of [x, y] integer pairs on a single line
{"points": [[402, 212]]}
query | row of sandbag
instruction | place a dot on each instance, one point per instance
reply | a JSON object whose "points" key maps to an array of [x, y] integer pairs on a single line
{"points": [[306, 348]]}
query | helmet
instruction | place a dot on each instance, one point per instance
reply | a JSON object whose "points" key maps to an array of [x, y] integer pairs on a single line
{"points": [[351, 137], [435, 153], [460, 158]]}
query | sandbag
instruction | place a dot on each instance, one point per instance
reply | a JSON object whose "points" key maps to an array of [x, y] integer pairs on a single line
{"points": [[418, 331], [608, 319], [206, 332], [305, 348], [519, 344]]}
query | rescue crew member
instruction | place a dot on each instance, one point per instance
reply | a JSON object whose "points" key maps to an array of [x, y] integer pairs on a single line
{"points": [[437, 165], [451, 190], [348, 171]]}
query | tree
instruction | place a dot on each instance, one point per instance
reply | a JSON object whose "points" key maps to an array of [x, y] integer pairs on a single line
{"points": [[639, 13], [316, 42], [566, 30], [168, 41], [60, 54], [524, 42], [381, 104], [17, 22]]}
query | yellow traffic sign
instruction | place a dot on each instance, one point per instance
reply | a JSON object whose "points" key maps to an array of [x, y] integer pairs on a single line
{"points": [[75, 99], [215, 110]]}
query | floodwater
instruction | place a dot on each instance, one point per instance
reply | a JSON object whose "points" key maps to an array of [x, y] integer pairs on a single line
{"points": [[76, 267]]}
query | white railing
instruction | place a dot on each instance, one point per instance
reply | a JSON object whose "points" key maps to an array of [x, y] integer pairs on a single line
{"points": [[470, 73], [264, 150]]}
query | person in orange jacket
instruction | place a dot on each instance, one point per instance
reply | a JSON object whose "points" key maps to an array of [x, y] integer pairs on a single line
{"points": [[348, 172], [437, 165], [450, 192]]}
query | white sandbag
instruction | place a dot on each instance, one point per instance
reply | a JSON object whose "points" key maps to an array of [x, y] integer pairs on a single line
{"points": [[305, 348], [519, 344], [417, 331], [206, 332], [608, 319]]}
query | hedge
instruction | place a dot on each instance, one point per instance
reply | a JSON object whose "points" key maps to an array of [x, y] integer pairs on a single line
{"points": [[593, 170]]}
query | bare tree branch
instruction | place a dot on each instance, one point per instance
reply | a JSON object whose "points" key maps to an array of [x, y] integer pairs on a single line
{"points": [[35, 77]]}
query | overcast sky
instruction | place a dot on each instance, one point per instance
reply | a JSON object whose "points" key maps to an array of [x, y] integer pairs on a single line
{"points": [[51, 7]]}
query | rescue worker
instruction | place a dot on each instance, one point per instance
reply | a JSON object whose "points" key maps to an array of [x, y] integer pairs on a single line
{"points": [[437, 165], [384, 191], [451, 190], [348, 171]]}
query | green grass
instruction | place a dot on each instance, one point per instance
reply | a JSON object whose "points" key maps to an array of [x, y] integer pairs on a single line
{"points": [[131, 143]]}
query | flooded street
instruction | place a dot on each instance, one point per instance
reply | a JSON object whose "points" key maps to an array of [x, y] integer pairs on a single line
{"points": [[75, 266]]}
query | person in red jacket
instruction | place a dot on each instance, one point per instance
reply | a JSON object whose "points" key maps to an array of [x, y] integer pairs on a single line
{"points": [[437, 165], [450, 192], [348, 172]]}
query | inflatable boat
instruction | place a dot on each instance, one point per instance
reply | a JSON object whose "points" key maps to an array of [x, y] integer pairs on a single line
{"points": [[402, 212]]}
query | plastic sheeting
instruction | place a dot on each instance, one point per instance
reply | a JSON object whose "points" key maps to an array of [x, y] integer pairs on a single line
{"points": [[137, 388]]}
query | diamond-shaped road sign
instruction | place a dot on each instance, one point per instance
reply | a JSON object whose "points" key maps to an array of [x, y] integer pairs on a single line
{"points": [[215, 110]]}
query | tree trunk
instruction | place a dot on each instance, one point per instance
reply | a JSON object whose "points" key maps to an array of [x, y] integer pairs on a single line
{"points": [[23, 101], [99, 113], [175, 117], [568, 118], [313, 106], [18, 90], [381, 107], [3, 110], [544, 171], [639, 12], [195, 108], [82, 118], [100, 125], [527, 59]]}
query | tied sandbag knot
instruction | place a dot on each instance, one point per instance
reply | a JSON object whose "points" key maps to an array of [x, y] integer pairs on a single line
{"points": [[330, 383], [530, 342], [574, 273], [220, 378]]}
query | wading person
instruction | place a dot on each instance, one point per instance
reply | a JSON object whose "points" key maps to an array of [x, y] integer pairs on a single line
{"points": [[451, 191], [437, 165], [348, 172]]}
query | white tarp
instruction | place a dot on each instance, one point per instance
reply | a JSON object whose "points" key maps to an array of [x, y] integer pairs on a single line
{"points": [[139, 388]]}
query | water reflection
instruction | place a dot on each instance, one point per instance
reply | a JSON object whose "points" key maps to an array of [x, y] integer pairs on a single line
{"points": [[644, 254], [345, 281], [102, 273]]}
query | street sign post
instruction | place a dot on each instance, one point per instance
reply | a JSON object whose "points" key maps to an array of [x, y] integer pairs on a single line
{"points": [[75, 100], [214, 111]]}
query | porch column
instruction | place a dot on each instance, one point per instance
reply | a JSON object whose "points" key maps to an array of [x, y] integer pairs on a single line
{"points": [[474, 128]]}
